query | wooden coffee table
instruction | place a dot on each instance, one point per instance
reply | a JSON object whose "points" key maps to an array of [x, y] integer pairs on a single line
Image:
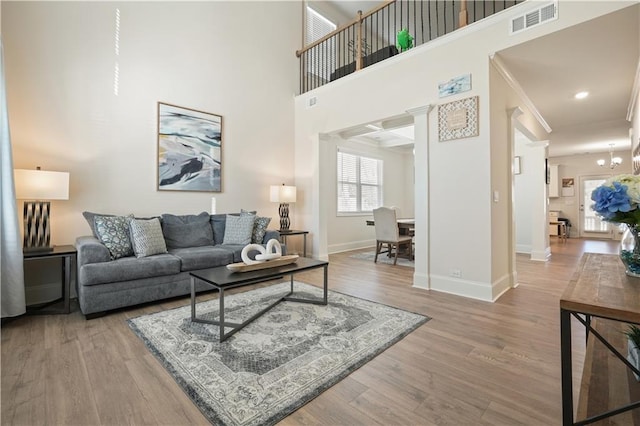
{"points": [[223, 279]]}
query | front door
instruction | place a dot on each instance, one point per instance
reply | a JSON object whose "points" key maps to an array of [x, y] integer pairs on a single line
{"points": [[591, 226]]}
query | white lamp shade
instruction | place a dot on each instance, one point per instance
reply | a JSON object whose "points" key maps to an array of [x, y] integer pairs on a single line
{"points": [[282, 194], [41, 185]]}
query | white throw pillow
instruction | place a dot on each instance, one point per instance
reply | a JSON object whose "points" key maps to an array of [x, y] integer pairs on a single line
{"points": [[238, 229], [147, 238]]}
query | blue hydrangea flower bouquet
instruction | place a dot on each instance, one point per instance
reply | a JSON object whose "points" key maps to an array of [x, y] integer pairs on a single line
{"points": [[617, 200]]}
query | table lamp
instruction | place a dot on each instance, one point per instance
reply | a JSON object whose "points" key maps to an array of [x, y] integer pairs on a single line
{"points": [[284, 195], [39, 187]]}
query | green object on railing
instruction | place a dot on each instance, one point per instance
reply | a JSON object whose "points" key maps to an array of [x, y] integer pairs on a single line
{"points": [[404, 40]]}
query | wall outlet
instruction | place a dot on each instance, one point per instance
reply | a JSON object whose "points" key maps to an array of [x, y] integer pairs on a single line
{"points": [[457, 273]]}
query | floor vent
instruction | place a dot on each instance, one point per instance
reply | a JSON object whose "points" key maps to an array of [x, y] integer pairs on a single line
{"points": [[540, 15]]}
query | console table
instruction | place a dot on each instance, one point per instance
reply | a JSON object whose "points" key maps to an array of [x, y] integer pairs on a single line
{"points": [[600, 288]]}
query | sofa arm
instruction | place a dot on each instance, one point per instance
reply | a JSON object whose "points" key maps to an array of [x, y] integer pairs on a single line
{"points": [[270, 234], [90, 250], [274, 234]]}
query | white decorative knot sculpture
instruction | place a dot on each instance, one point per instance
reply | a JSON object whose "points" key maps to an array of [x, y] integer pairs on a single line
{"points": [[265, 253]]}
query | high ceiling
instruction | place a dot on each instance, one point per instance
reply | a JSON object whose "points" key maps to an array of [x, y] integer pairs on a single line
{"points": [[599, 56]]}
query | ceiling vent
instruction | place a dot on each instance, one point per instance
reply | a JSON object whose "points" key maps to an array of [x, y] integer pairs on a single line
{"points": [[546, 13]]}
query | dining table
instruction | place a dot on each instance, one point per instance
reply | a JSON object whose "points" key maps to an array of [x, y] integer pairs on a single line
{"points": [[405, 226]]}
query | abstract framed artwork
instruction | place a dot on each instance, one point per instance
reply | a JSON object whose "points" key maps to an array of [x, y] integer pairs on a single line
{"points": [[189, 149], [458, 119], [459, 84]]}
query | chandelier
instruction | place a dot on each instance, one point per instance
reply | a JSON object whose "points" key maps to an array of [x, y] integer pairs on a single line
{"points": [[613, 161]]}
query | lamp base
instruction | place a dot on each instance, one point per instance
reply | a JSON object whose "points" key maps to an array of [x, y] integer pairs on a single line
{"points": [[284, 216], [37, 235]]}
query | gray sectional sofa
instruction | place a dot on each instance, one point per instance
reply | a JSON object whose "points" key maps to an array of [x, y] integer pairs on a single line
{"points": [[105, 283]]}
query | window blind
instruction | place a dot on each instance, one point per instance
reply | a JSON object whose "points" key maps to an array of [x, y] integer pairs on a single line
{"points": [[317, 26], [359, 183]]}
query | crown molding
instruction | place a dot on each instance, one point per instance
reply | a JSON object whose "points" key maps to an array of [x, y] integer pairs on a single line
{"points": [[502, 69], [634, 94]]}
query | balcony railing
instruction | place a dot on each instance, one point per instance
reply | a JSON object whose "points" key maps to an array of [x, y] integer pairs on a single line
{"points": [[374, 36]]}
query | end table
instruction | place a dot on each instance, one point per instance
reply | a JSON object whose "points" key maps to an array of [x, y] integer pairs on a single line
{"points": [[61, 305], [285, 233]]}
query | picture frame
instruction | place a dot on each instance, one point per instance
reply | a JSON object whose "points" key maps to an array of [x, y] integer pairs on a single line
{"points": [[568, 187], [458, 119], [517, 164], [189, 156], [459, 84]]}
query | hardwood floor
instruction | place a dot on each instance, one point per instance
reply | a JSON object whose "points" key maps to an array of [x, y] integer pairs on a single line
{"points": [[474, 363]]}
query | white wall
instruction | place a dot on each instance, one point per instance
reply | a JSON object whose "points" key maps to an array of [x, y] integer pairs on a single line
{"points": [[235, 59], [577, 166], [65, 116], [464, 226], [351, 232], [524, 183]]}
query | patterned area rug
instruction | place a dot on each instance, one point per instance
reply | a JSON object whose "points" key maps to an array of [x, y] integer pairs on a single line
{"points": [[382, 258], [277, 363]]}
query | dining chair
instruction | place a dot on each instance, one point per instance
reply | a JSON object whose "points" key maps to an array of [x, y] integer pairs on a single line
{"points": [[387, 232]]}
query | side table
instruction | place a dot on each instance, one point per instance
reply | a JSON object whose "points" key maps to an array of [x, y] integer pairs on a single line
{"points": [[66, 253], [285, 233]]}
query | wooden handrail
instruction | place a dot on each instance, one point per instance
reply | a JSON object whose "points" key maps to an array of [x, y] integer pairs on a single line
{"points": [[357, 20], [463, 19]]}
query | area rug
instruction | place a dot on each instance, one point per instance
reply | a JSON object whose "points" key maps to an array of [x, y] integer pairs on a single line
{"points": [[382, 258], [277, 363]]}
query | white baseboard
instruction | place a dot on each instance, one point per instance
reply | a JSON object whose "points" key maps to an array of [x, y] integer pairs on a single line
{"points": [[541, 256], [354, 245], [523, 248], [459, 287], [421, 281], [501, 286]]}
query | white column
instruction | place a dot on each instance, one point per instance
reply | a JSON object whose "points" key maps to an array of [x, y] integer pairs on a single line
{"points": [[421, 198]]}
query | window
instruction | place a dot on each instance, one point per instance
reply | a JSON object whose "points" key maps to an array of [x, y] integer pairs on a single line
{"points": [[318, 26], [359, 183]]}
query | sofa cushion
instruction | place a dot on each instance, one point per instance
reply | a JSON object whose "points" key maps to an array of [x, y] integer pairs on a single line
{"points": [[128, 268], [90, 218], [218, 222], [236, 251], [113, 232], [146, 237], [239, 229], [193, 258], [187, 231]]}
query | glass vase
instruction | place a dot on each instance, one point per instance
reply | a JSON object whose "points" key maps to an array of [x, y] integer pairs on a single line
{"points": [[630, 250]]}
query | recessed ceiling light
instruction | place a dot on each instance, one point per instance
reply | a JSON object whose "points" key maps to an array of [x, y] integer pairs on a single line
{"points": [[581, 95]]}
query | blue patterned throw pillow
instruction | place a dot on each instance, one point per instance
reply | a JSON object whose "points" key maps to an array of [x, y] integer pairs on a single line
{"points": [[259, 229], [113, 232]]}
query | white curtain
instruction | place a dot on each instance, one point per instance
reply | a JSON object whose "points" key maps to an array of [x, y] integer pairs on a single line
{"points": [[12, 278]]}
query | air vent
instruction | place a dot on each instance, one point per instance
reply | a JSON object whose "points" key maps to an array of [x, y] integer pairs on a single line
{"points": [[312, 101], [533, 18]]}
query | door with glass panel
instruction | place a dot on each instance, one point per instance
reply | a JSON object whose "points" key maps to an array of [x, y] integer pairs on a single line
{"points": [[591, 225]]}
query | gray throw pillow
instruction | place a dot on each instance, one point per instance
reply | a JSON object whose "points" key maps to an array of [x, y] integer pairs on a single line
{"points": [[259, 229], [113, 232], [239, 229], [146, 237], [187, 231]]}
